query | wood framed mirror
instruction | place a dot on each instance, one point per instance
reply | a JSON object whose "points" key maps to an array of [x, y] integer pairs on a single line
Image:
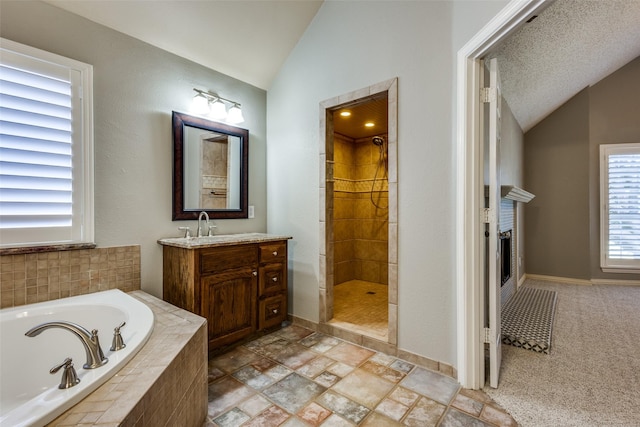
{"points": [[210, 168]]}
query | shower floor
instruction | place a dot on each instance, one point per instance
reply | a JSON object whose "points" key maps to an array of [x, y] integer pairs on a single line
{"points": [[362, 307]]}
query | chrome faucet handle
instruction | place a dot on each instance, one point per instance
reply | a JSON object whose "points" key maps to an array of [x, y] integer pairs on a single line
{"points": [[117, 343], [69, 375], [187, 231], [211, 227]]}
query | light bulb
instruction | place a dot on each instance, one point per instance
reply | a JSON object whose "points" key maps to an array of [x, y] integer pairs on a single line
{"points": [[218, 110], [200, 104], [235, 114]]}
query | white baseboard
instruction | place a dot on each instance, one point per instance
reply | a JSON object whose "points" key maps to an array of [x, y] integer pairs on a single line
{"points": [[556, 279], [615, 282], [583, 282]]}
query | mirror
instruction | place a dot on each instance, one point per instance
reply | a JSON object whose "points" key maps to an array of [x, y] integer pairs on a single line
{"points": [[210, 168]]}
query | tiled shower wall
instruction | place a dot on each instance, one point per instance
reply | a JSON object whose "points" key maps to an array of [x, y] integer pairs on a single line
{"points": [[44, 276], [360, 229]]}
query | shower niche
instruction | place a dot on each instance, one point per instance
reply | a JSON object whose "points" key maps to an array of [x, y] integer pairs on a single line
{"points": [[358, 293]]}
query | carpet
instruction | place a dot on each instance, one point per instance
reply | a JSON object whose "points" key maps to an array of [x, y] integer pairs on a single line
{"points": [[591, 377], [527, 319]]}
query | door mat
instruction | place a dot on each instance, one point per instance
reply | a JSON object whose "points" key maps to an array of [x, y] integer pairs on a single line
{"points": [[527, 319]]}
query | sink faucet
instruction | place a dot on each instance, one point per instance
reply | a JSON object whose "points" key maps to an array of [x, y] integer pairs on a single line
{"points": [[203, 213], [95, 357]]}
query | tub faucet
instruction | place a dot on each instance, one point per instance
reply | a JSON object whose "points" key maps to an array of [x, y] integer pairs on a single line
{"points": [[206, 215], [95, 357]]}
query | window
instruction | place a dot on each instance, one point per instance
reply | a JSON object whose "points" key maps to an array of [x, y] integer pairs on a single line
{"points": [[620, 204], [46, 148]]}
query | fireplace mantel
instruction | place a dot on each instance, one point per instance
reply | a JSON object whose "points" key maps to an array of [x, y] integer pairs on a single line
{"points": [[516, 193]]}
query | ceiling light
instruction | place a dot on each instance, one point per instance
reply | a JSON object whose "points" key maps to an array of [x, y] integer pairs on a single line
{"points": [[345, 113], [215, 106], [369, 124]]}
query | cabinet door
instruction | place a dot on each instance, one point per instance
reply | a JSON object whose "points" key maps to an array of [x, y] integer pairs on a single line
{"points": [[229, 300]]}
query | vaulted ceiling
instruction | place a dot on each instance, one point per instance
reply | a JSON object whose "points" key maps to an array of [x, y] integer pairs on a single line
{"points": [[571, 44]]}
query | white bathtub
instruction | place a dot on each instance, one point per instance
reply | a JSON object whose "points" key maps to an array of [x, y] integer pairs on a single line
{"points": [[29, 393]]}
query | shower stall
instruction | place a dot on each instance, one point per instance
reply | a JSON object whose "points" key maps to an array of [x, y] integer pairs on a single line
{"points": [[360, 234]]}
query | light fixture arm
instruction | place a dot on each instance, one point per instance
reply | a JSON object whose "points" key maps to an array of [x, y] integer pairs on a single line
{"points": [[213, 97]]}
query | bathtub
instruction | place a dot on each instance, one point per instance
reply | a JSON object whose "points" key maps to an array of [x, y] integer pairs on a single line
{"points": [[29, 393]]}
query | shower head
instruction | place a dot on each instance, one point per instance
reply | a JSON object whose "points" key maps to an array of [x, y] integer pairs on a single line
{"points": [[377, 140]]}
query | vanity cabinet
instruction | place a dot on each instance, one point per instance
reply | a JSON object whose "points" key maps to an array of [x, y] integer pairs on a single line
{"points": [[239, 287]]}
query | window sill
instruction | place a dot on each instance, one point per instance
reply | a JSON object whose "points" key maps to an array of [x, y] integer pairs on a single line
{"points": [[620, 270], [46, 248]]}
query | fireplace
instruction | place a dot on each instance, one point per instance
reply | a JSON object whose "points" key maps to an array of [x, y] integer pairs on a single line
{"points": [[505, 257]]}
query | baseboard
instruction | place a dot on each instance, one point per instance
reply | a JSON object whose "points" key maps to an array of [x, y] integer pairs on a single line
{"points": [[557, 279], [582, 282], [615, 282], [521, 280]]}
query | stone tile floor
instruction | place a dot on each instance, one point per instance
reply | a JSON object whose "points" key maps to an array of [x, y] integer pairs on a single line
{"points": [[298, 377]]}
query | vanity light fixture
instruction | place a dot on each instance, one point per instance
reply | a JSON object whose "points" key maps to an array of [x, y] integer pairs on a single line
{"points": [[215, 106]]}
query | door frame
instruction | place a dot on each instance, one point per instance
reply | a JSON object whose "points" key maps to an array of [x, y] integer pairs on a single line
{"points": [[470, 189], [326, 282]]}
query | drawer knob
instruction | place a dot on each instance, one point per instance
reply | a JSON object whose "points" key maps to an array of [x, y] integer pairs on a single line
{"points": [[275, 253], [275, 279], [275, 311], [255, 273]]}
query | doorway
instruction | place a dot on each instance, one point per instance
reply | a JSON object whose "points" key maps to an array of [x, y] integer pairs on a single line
{"points": [[358, 218], [470, 238]]}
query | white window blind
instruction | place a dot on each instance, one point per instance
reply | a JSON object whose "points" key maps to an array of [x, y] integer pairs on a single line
{"points": [[46, 148], [620, 199]]}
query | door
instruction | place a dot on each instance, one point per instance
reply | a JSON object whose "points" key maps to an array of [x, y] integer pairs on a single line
{"points": [[491, 98]]}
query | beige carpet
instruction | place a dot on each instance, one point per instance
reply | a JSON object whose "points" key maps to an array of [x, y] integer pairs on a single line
{"points": [[592, 375]]}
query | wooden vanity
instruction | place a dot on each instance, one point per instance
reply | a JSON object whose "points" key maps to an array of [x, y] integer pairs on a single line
{"points": [[237, 282]]}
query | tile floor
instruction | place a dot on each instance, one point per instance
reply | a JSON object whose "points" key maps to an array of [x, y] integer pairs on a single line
{"points": [[298, 377], [362, 307]]}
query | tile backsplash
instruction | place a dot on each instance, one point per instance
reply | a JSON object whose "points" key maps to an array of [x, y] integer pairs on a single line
{"points": [[44, 276]]}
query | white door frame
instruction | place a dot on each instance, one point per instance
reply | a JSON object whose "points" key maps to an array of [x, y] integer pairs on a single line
{"points": [[470, 189]]}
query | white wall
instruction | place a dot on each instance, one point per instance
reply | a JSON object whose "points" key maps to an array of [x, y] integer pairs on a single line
{"points": [[348, 46], [136, 86]]}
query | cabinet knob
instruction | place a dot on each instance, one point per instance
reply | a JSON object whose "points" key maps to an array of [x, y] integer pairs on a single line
{"points": [[255, 273], [275, 279], [275, 311], [275, 253]]}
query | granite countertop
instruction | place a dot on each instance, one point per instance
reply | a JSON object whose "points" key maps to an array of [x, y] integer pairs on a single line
{"points": [[220, 240]]}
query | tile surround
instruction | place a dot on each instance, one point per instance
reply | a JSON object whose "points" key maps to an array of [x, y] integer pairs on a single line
{"points": [[328, 274], [165, 384], [44, 276], [342, 385]]}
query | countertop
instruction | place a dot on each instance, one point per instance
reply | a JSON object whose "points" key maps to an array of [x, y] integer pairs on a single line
{"points": [[220, 240]]}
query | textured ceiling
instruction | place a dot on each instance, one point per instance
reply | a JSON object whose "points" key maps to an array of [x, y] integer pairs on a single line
{"points": [[248, 40], [571, 45]]}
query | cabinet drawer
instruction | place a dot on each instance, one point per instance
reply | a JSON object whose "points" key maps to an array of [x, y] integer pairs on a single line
{"points": [[273, 279], [272, 311], [273, 252], [220, 259]]}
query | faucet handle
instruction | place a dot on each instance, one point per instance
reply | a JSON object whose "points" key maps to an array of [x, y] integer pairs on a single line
{"points": [[69, 375], [117, 343], [211, 227], [187, 231]]}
